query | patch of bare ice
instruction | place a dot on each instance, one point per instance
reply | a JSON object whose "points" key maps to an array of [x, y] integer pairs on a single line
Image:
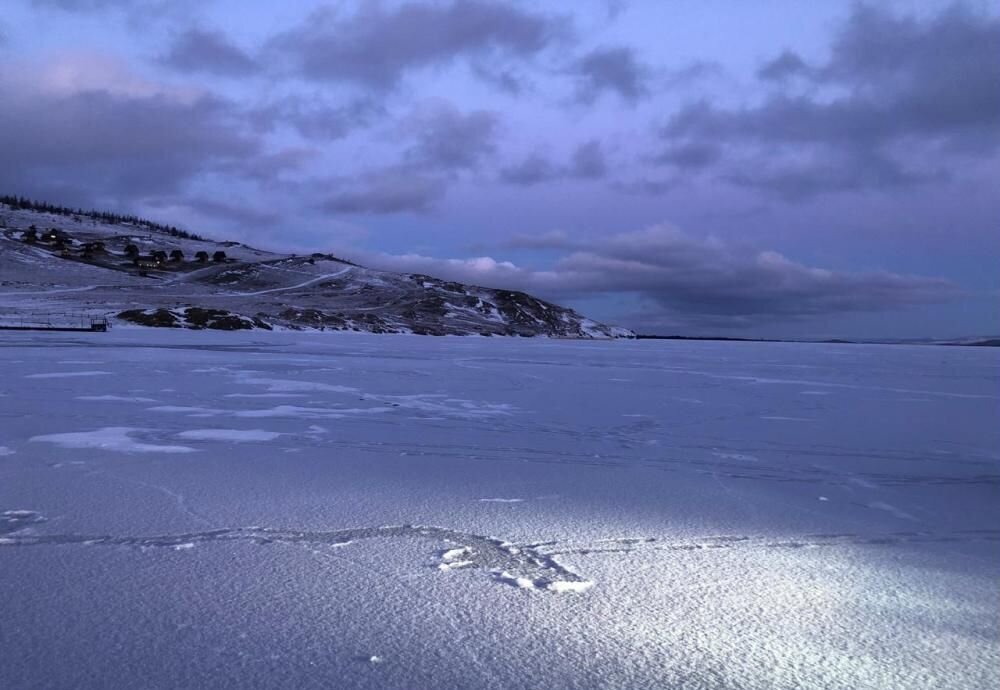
{"points": [[113, 438], [238, 435]]}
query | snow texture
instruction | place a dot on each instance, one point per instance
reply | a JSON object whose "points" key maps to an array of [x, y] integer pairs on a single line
{"points": [[495, 513]]}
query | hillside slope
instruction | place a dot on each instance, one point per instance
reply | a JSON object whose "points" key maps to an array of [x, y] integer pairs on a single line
{"points": [[144, 274]]}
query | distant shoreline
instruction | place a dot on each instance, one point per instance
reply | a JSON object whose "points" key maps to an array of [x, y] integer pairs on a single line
{"points": [[981, 342]]}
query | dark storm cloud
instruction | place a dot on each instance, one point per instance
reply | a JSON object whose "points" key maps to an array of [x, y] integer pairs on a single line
{"points": [[614, 70], [375, 47], [695, 280], [708, 277], [587, 162], [119, 139], [117, 145], [387, 191], [448, 139], [200, 50], [897, 97]]}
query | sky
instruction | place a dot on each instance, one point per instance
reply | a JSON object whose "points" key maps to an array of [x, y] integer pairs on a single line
{"points": [[700, 167]]}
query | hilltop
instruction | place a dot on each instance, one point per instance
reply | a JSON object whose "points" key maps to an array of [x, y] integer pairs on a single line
{"points": [[131, 270]]}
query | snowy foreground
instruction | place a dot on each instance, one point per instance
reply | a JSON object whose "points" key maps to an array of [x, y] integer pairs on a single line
{"points": [[317, 511]]}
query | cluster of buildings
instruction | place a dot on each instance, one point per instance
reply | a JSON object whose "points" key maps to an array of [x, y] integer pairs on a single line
{"points": [[60, 241]]}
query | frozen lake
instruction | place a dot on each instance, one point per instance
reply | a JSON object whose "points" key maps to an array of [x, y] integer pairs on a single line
{"points": [[316, 511]]}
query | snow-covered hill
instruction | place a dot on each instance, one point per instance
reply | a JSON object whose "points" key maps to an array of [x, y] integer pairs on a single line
{"points": [[145, 275]]}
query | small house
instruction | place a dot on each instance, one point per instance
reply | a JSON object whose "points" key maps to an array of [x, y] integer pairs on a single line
{"points": [[147, 262], [53, 235]]}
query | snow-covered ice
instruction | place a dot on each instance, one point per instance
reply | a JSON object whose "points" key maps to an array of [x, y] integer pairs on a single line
{"points": [[65, 374], [495, 513], [114, 438], [115, 398], [238, 435]]}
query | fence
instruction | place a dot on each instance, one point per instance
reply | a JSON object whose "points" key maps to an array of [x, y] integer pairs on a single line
{"points": [[54, 321]]}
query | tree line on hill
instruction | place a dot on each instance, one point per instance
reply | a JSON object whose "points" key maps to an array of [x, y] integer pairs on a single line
{"points": [[22, 203]]}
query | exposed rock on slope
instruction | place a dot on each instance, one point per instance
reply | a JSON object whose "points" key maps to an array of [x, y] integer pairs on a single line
{"points": [[192, 317]]}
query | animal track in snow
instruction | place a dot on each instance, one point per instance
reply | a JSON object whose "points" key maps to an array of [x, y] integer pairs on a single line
{"points": [[625, 545], [524, 566]]}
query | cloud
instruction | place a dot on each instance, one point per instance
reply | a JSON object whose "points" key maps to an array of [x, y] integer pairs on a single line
{"points": [[239, 213], [387, 191], [786, 65], [615, 70], [614, 8], [501, 77], [531, 171], [811, 173], [271, 166], [110, 135], [483, 271], [448, 139], [86, 5], [689, 280], [647, 186], [893, 105], [690, 155], [445, 144], [554, 239], [139, 12], [81, 72], [587, 162], [691, 73], [201, 50], [376, 47], [710, 277], [313, 118]]}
